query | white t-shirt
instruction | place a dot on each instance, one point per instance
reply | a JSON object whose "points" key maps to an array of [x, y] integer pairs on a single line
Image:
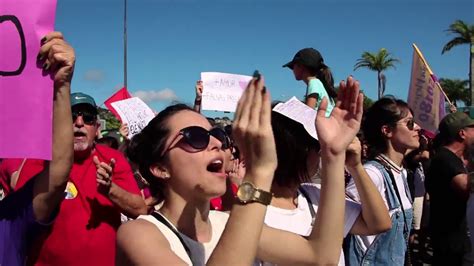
{"points": [[298, 220], [377, 178]]}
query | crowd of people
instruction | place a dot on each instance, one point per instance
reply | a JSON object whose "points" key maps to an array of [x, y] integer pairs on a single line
{"points": [[189, 191]]}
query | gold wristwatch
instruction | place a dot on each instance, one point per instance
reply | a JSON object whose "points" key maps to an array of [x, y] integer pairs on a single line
{"points": [[248, 193]]}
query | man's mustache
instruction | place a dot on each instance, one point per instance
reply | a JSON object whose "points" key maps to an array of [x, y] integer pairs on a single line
{"points": [[80, 132]]}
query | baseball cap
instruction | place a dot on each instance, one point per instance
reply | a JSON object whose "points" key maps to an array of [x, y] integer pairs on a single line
{"points": [[308, 57], [82, 98], [452, 123]]}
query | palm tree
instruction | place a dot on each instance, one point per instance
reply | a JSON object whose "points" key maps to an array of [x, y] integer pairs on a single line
{"points": [[380, 61], [464, 35], [456, 90]]}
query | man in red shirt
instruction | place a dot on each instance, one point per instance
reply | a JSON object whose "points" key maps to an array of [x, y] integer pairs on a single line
{"points": [[85, 228]]}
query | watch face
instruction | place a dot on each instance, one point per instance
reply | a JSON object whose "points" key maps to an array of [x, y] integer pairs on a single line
{"points": [[245, 192]]}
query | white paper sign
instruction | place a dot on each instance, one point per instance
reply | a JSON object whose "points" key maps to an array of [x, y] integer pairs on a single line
{"points": [[299, 112], [135, 113], [222, 91]]}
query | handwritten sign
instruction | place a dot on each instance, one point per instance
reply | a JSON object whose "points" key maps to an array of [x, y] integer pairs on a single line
{"points": [[135, 113], [299, 112], [222, 91], [26, 94]]}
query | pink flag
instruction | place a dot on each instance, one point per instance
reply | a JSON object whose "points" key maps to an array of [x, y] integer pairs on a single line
{"points": [[120, 95], [26, 94], [424, 96]]}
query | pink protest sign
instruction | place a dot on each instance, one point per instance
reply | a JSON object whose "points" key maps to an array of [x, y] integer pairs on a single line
{"points": [[25, 91]]}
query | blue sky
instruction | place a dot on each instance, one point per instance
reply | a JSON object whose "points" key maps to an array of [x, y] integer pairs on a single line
{"points": [[171, 41]]}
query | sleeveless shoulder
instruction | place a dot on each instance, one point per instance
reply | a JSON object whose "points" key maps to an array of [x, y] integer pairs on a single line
{"points": [[174, 241], [218, 221]]}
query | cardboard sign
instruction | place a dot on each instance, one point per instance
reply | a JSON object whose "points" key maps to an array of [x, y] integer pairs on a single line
{"points": [[26, 93], [135, 113], [222, 91], [121, 94]]}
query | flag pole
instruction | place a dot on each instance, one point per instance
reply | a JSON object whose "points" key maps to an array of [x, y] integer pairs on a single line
{"points": [[431, 73], [125, 44]]}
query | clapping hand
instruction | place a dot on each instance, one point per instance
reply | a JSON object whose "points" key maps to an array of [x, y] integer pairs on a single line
{"points": [[104, 174], [252, 129], [338, 130]]}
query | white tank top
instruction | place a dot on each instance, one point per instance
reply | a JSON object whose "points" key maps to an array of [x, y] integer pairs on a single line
{"points": [[217, 220]]}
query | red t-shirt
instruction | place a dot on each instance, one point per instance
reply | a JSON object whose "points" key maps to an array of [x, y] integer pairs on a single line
{"points": [[31, 168], [6, 168], [84, 230]]}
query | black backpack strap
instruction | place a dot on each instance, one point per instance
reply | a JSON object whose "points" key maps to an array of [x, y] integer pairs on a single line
{"points": [[310, 204], [158, 216]]}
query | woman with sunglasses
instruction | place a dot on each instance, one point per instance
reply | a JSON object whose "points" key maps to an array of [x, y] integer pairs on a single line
{"points": [[390, 131], [182, 158]]}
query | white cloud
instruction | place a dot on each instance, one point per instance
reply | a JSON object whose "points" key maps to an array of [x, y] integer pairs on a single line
{"points": [[95, 75], [156, 95]]}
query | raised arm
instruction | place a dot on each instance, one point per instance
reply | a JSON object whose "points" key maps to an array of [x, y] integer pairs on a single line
{"points": [[324, 244], [57, 57], [124, 137], [254, 136], [246, 221], [312, 100], [375, 218], [198, 99]]}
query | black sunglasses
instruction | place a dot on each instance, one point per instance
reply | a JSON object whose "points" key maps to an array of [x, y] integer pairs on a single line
{"points": [[88, 118], [198, 138], [410, 124]]}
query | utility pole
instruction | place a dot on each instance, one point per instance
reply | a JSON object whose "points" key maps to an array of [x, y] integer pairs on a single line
{"points": [[125, 44]]}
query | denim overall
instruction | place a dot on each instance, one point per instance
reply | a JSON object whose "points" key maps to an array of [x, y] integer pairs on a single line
{"points": [[388, 248]]}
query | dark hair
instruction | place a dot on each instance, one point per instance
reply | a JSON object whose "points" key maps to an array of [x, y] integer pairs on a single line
{"points": [[211, 120], [147, 147], [324, 74], [293, 145], [385, 111], [228, 130]]}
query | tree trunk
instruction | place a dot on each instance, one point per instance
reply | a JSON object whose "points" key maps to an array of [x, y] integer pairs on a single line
{"points": [[471, 72], [379, 85]]}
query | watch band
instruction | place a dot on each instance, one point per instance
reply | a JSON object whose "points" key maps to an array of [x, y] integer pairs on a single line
{"points": [[263, 196], [248, 193]]}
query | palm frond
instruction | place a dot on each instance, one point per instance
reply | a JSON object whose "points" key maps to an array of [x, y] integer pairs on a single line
{"points": [[390, 63], [458, 27], [362, 63], [378, 61], [454, 42], [464, 34], [456, 89]]}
